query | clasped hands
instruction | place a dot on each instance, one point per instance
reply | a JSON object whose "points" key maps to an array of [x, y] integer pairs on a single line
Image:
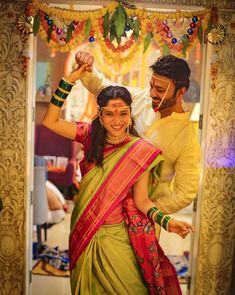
{"points": [[84, 61]]}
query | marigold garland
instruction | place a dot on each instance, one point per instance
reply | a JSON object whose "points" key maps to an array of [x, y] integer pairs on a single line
{"points": [[89, 25]]}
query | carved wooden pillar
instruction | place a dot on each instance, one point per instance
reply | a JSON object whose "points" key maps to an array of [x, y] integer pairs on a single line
{"points": [[217, 220], [12, 151]]}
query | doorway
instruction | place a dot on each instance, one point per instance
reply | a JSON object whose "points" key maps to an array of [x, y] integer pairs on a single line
{"points": [[54, 69]]}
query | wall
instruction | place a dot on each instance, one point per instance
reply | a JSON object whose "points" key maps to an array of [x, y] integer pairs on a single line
{"points": [[216, 238]]}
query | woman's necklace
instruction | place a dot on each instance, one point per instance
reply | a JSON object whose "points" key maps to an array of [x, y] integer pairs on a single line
{"points": [[116, 140]]}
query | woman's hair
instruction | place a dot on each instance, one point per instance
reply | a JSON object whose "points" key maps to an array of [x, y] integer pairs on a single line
{"points": [[98, 132]]}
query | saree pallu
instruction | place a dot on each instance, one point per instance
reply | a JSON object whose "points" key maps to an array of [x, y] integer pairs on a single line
{"points": [[158, 272], [96, 251]]}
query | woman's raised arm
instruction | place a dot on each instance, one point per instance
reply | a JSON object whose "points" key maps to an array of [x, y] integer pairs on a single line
{"points": [[52, 118]]}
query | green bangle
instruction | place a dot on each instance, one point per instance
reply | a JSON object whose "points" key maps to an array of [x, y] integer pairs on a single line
{"points": [[61, 94], [67, 86], [56, 102], [159, 217], [165, 221], [151, 211]]}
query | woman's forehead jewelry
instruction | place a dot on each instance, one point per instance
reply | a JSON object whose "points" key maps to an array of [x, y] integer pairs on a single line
{"points": [[115, 109]]}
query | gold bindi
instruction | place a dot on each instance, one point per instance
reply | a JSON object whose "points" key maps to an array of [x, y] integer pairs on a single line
{"points": [[115, 109]]}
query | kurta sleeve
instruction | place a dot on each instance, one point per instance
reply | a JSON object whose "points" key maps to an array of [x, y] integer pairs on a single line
{"points": [[95, 82]]}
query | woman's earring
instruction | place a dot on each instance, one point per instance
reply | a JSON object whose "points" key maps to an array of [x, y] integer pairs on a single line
{"points": [[129, 126]]}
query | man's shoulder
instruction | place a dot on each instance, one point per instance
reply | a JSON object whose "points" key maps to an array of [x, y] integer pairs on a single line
{"points": [[147, 144]]}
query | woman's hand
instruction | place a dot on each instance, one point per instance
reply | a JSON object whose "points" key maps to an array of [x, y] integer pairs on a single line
{"points": [[181, 228], [77, 74]]}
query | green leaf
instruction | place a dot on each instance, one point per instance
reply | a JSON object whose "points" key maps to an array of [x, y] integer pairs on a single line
{"points": [[185, 42], [113, 17], [118, 39], [200, 34], [87, 28], [166, 50], [131, 23], [120, 21], [112, 33], [50, 29], [136, 29], [106, 24], [69, 32], [147, 40], [36, 23], [127, 20]]}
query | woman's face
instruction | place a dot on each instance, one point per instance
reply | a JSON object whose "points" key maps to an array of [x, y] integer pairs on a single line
{"points": [[116, 117]]}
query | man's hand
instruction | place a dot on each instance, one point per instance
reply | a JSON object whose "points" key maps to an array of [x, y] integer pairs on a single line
{"points": [[180, 227], [77, 74], [83, 57]]}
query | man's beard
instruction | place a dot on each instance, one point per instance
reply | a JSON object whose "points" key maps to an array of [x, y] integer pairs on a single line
{"points": [[166, 104]]}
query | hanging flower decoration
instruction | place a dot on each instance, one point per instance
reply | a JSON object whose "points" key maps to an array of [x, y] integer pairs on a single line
{"points": [[25, 21], [217, 35], [217, 32], [121, 30]]}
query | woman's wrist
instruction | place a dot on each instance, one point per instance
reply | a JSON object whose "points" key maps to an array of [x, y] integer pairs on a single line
{"points": [[69, 80], [159, 217], [61, 93]]}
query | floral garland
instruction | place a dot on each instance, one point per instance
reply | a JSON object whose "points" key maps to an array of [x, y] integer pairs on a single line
{"points": [[120, 31]]}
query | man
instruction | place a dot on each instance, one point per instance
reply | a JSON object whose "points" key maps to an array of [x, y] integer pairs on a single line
{"points": [[164, 122]]}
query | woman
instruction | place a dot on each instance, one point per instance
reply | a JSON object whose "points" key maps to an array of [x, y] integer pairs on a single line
{"points": [[113, 249]]}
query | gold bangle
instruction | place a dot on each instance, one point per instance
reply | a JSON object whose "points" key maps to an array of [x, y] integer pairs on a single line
{"points": [[155, 214], [58, 98], [62, 90]]}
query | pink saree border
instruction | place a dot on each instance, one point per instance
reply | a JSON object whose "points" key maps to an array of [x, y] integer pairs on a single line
{"points": [[84, 228]]}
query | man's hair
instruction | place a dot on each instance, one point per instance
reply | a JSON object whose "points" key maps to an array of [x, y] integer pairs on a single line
{"points": [[174, 68]]}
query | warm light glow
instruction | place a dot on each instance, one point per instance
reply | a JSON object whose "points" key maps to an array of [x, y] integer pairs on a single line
{"points": [[196, 112]]}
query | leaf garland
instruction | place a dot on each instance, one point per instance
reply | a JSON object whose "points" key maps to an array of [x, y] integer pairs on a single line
{"points": [[115, 24], [50, 29], [147, 40], [136, 29], [119, 20], [87, 28], [166, 50], [200, 34], [36, 23], [69, 32], [185, 42], [106, 24]]}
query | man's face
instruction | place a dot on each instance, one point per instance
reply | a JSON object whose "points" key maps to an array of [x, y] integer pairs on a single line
{"points": [[162, 92]]}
